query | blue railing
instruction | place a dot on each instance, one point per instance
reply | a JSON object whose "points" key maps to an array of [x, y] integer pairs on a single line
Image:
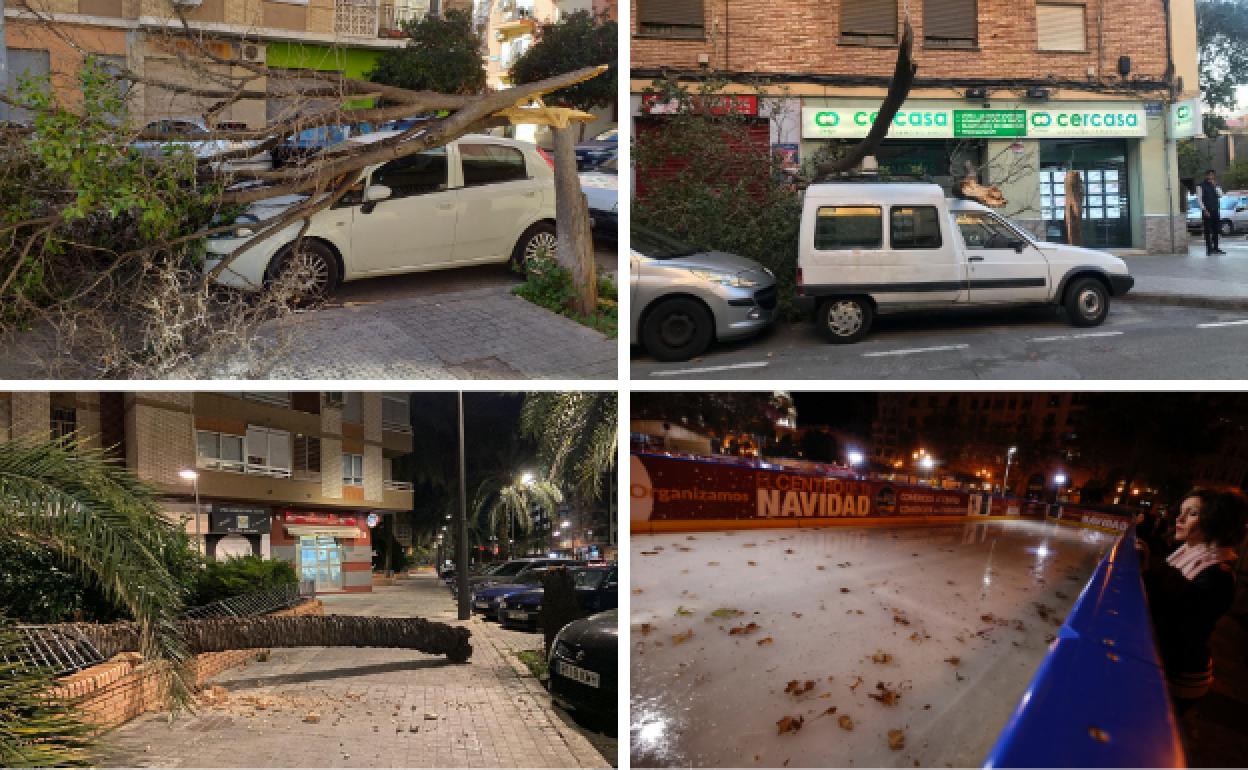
{"points": [[1099, 698]]}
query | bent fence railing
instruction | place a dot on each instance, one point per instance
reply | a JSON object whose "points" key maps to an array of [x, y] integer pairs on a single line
{"points": [[258, 603], [1099, 697]]}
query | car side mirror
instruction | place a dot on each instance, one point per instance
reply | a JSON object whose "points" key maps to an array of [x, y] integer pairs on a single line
{"points": [[1241, 208], [1017, 246], [376, 192]]}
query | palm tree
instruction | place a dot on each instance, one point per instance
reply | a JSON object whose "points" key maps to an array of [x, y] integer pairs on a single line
{"points": [[576, 437], [501, 509]]}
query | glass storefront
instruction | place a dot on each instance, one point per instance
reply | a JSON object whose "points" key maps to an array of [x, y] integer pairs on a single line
{"points": [[1102, 165], [936, 160], [320, 560]]}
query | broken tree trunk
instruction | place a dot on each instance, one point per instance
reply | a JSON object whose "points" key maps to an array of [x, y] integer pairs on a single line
{"points": [[898, 90], [1074, 208], [269, 631], [575, 244], [969, 188]]}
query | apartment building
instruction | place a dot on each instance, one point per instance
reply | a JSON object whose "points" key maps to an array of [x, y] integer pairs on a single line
{"points": [[291, 37], [1025, 91], [300, 476]]}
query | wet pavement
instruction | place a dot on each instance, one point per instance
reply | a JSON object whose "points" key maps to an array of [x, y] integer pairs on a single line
{"points": [[844, 646]]}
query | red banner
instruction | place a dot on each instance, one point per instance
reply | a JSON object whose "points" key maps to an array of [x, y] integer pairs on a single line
{"points": [[677, 488], [719, 104], [322, 519]]}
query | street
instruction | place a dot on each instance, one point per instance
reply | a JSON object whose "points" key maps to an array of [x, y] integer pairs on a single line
{"points": [[348, 707], [1187, 318]]}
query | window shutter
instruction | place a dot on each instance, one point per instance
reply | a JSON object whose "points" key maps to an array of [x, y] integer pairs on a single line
{"points": [[1061, 27], [684, 13], [869, 17], [949, 19]]}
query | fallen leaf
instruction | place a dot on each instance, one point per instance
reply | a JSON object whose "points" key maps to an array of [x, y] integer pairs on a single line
{"points": [[881, 657], [845, 722], [789, 724], [727, 612], [746, 629], [646, 628], [830, 710], [896, 740], [712, 564], [681, 638], [797, 614], [953, 660], [682, 611], [819, 567], [797, 687], [649, 553], [844, 590], [788, 550], [312, 717], [857, 681], [764, 640], [636, 591], [886, 694], [752, 564]]}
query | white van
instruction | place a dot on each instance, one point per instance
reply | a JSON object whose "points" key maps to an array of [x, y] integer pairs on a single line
{"points": [[869, 248]]}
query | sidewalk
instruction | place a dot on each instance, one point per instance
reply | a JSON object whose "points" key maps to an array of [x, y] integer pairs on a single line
{"points": [[349, 707], [1193, 279]]}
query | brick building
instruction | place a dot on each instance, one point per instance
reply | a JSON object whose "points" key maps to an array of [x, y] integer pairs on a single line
{"points": [[292, 475], [1026, 91]]}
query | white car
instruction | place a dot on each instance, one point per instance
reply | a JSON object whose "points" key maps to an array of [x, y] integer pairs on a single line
{"points": [[203, 148], [478, 200], [602, 194]]}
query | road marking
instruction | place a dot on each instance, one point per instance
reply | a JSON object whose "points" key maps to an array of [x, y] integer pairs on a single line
{"points": [[1060, 337], [703, 369], [915, 350], [1216, 324]]}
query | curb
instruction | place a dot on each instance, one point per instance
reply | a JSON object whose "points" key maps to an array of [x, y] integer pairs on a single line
{"points": [[1187, 300]]}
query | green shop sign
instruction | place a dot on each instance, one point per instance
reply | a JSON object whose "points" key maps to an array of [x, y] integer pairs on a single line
{"points": [[923, 122]]}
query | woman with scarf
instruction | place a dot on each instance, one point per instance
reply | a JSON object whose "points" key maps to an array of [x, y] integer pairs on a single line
{"points": [[1193, 587]]}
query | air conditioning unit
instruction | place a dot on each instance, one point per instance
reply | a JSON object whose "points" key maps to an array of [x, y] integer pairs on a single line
{"points": [[188, 3], [250, 52]]}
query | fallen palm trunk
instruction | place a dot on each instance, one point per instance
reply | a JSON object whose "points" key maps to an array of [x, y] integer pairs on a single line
{"points": [[269, 631]]}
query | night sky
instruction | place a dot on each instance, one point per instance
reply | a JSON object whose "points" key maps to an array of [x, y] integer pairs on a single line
{"points": [[851, 411]]}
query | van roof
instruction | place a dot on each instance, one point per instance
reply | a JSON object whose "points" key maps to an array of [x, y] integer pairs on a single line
{"points": [[875, 192]]}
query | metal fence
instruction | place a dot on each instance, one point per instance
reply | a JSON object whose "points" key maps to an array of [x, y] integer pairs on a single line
{"points": [[258, 603], [60, 650]]}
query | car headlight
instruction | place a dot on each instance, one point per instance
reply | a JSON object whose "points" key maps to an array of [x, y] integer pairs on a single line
{"points": [[734, 280]]}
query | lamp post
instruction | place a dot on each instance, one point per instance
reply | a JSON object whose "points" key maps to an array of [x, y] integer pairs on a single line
{"points": [[1059, 480], [192, 476], [526, 479], [856, 459], [1005, 480]]}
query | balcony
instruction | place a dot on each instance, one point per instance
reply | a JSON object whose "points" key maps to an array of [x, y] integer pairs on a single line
{"points": [[390, 485], [355, 18], [516, 19], [394, 15]]}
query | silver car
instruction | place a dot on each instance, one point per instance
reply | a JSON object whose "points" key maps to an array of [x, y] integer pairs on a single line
{"points": [[684, 298]]}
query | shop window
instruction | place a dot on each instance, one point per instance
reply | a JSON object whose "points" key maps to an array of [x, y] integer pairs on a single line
{"points": [[869, 22], [353, 470], [268, 451], [914, 227], [950, 23], [491, 164], [671, 18], [848, 227], [1061, 26], [219, 451]]}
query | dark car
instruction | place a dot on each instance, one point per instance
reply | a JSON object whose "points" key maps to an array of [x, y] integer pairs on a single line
{"points": [[583, 666], [591, 152], [596, 590], [488, 599]]}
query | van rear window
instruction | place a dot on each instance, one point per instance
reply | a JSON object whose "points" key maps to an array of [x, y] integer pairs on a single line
{"points": [[848, 227], [914, 227]]}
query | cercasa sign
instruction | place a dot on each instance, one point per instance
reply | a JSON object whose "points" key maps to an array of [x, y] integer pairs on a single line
{"points": [[934, 121]]}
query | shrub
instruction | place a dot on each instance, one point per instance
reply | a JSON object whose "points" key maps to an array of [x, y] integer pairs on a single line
{"points": [[242, 575], [549, 284]]}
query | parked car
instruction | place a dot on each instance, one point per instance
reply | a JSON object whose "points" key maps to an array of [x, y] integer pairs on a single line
{"points": [[683, 297], [308, 143], [1233, 218], [868, 248], [478, 200], [602, 193], [488, 599], [592, 152], [508, 570], [1195, 217], [596, 589], [194, 135], [583, 664]]}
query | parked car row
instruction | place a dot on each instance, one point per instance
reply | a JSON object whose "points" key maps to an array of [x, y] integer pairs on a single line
{"points": [[1232, 218], [864, 249]]}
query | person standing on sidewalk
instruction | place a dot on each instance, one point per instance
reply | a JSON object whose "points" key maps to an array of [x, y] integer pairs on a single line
{"points": [[1211, 207]]}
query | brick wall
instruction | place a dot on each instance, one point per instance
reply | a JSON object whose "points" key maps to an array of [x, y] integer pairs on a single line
{"points": [[115, 692], [800, 36]]}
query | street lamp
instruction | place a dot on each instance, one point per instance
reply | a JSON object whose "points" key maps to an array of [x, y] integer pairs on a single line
{"points": [[1005, 480], [189, 475], [1059, 480], [856, 458]]}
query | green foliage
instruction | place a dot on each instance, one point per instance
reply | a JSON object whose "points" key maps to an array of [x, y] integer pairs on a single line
{"points": [[36, 730], [1194, 158], [1236, 176], [578, 40], [549, 284], [443, 55], [242, 575], [37, 587], [725, 194], [1222, 44], [576, 433]]}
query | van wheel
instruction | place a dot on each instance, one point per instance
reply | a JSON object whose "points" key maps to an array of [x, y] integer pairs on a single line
{"points": [[845, 319], [307, 269], [1086, 302], [1227, 227], [677, 329], [539, 240]]}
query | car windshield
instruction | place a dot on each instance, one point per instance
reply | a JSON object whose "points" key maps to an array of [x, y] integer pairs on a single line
{"points": [[589, 578], [658, 245], [606, 136], [1229, 203], [530, 577], [1192, 202], [510, 568]]}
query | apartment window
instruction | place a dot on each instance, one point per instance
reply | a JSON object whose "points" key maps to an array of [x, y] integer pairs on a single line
{"points": [[848, 227], [949, 23], [671, 18], [353, 470], [272, 398], [395, 414], [218, 451], [869, 22], [64, 422], [268, 451], [352, 408], [307, 455], [334, 398], [23, 64], [1061, 26]]}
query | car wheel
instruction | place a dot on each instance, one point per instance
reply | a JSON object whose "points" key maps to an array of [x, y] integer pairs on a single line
{"points": [[308, 270], [538, 240], [1086, 302], [1228, 227], [677, 329], [845, 319]]}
